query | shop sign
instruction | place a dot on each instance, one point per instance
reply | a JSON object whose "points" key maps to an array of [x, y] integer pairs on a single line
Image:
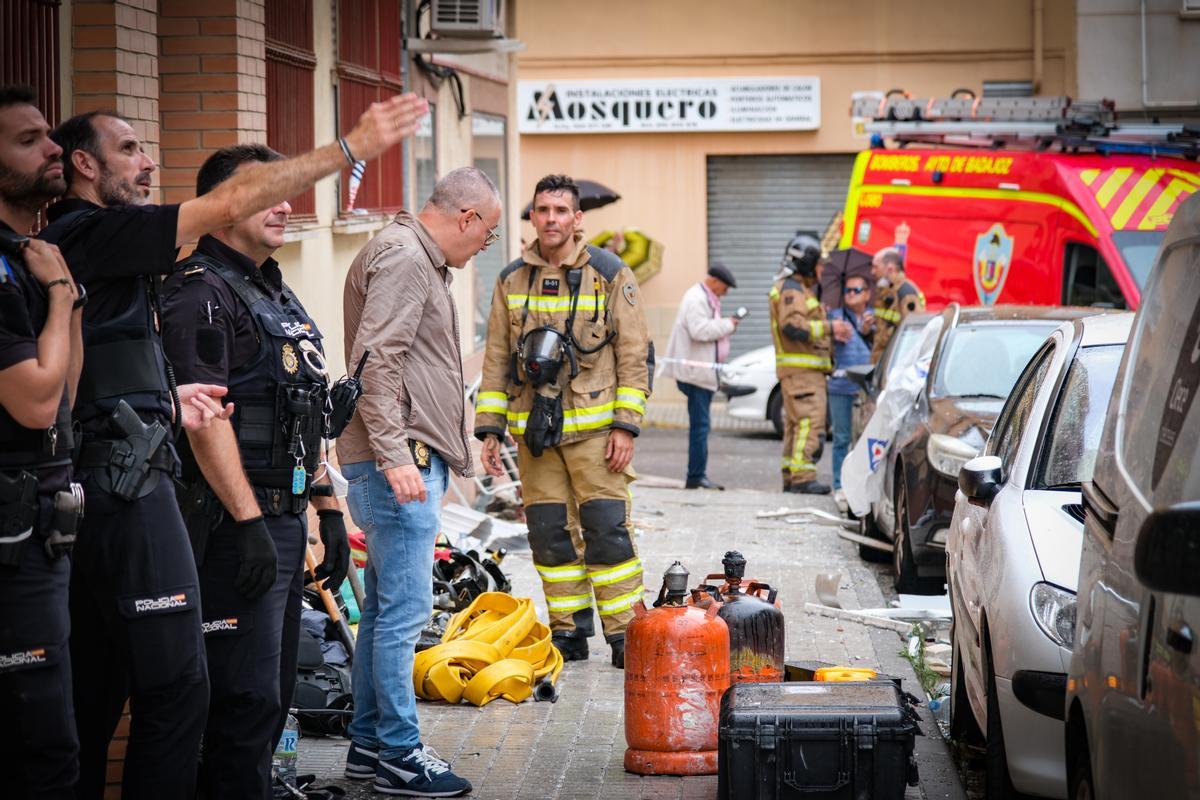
{"points": [[670, 105]]}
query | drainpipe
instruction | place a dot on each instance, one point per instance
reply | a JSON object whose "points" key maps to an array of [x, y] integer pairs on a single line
{"points": [[1038, 45], [1146, 101]]}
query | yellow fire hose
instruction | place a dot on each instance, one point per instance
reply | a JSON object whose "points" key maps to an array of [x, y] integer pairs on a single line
{"points": [[495, 648]]}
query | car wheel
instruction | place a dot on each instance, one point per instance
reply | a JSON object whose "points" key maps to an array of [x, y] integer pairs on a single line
{"points": [[963, 725], [998, 783], [868, 528], [1079, 778], [904, 567], [775, 411]]}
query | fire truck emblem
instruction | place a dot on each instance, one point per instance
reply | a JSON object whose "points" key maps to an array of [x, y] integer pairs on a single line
{"points": [[993, 257]]}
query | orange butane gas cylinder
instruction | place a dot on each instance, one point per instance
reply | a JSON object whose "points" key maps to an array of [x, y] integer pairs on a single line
{"points": [[755, 622], [676, 668]]}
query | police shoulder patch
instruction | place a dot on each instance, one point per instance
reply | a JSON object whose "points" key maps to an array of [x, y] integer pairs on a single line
{"points": [[630, 292]]}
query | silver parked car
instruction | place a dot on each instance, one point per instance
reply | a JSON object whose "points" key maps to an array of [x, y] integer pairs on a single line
{"points": [[1133, 688], [1012, 556]]}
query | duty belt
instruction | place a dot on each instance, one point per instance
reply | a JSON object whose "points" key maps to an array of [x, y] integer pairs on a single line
{"points": [[103, 452], [273, 490]]}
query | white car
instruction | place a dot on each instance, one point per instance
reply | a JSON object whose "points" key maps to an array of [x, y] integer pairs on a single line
{"points": [[1012, 557], [755, 370]]}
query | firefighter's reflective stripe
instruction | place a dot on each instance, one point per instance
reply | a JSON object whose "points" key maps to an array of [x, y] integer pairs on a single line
{"points": [[774, 293], [570, 572], [798, 461], [812, 303], [574, 419], [888, 314], [620, 603], [606, 577], [805, 360], [553, 303], [491, 403], [634, 399], [816, 328], [569, 603]]}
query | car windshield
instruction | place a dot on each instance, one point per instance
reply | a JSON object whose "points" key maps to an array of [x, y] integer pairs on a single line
{"points": [[1079, 417], [984, 360], [1138, 249], [906, 337]]}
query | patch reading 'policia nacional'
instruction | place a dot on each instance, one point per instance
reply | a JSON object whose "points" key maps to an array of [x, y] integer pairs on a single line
{"points": [[291, 364], [630, 293]]}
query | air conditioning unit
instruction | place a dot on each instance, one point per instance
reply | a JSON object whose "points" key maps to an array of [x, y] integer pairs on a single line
{"points": [[467, 19]]}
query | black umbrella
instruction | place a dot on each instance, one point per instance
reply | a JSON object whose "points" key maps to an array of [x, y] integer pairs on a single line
{"points": [[840, 267], [591, 195]]}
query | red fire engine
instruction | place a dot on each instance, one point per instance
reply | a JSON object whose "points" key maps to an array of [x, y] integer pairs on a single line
{"points": [[1018, 200]]}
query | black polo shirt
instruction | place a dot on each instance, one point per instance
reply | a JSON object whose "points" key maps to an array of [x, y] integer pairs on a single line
{"points": [[206, 326], [24, 307]]}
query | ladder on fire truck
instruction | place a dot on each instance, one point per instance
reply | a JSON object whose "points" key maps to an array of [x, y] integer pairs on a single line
{"points": [[1039, 123]]}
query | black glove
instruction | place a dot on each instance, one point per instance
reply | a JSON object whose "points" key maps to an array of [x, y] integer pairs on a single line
{"points": [[260, 562], [337, 549]]}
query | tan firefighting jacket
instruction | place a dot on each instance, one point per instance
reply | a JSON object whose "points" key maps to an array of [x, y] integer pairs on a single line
{"points": [[613, 383], [802, 333], [892, 304]]}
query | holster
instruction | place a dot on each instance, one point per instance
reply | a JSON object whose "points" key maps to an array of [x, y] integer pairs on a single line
{"points": [[545, 426], [201, 511], [128, 466], [18, 515]]}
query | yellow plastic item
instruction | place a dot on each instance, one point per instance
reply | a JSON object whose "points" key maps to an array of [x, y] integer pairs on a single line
{"points": [[495, 648], [842, 674]]}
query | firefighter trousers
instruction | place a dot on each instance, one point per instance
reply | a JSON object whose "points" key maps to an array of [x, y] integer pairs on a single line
{"points": [[603, 560], [803, 425]]}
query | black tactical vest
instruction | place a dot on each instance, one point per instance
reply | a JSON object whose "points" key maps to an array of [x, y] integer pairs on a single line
{"points": [[122, 356], [279, 398]]}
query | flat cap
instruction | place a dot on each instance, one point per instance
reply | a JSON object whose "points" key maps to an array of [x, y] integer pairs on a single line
{"points": [[723, 274]]}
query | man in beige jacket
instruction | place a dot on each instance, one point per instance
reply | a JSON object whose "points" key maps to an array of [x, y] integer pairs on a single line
{"points": [[409, 432], [699, 341]]}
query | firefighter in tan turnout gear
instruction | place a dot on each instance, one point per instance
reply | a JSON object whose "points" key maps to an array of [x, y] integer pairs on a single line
{"points": [[567, 370], [802, 359], [895, 298]]}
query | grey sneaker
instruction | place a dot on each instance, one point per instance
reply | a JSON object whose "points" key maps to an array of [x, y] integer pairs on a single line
{"points": [[421, 773]]}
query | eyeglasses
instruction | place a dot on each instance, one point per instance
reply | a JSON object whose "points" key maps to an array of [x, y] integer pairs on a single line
{"points": [[855, 289], [493, 233]]}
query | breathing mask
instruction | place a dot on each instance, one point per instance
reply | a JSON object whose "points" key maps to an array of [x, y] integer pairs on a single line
{"points": [[542, 352]]}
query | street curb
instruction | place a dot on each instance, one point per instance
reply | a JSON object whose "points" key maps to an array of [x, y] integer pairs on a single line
{"points": [[939, 774]]}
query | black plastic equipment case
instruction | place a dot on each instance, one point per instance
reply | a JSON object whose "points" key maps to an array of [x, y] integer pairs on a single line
{"points": [[816, 741]]}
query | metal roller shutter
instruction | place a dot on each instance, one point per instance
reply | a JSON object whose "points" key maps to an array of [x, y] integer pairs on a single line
{"points": [[755, 205]]}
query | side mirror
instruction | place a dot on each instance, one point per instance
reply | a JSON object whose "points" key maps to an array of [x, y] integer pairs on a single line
{"points": [[1167, 556], [861, 375], [980, 479]]}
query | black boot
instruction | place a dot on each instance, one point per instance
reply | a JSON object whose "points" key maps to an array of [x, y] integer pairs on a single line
{"points": [[702, 483], [572, 647], [809, 487], [618, 652]]}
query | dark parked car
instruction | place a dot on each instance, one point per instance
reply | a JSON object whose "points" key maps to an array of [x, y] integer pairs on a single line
{"points": [[979, 354]]}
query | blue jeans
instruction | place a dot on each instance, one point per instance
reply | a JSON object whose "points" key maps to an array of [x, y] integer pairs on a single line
{"points": [[397, 604], [699, 422], [841, 408]]}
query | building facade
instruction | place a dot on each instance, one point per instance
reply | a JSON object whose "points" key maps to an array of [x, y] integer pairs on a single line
{"points": [[195, 75], [600, 97]]}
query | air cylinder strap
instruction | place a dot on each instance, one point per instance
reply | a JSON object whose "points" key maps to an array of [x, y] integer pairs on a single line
{"points": [[494, 648]]}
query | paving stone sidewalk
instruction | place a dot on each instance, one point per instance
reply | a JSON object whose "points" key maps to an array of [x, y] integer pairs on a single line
{"points": [[574, 748]]}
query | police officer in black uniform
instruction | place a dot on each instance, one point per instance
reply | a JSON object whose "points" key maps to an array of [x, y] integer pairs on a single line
{"points": [[135, 605], [40, 350], [229, 319]]}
